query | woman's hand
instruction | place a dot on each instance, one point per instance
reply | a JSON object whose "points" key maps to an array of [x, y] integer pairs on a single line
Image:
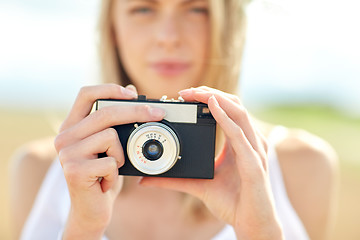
{"points": [[94, 182], [240, 192]]}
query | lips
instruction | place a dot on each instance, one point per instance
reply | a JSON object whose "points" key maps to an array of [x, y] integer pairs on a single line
{"points": [[170, 68]]}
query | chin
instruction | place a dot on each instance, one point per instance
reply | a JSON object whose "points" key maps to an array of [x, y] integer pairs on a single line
{"points": [[154, 86], [159, 92], [170, 88]]}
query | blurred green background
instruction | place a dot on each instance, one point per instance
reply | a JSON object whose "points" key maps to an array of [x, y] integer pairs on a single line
{"points": [[340, 130]]}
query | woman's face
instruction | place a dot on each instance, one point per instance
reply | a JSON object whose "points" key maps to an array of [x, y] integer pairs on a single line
{"points": [[162, 43]]}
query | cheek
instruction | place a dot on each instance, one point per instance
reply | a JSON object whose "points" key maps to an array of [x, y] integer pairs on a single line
{"points": [[132, 46], [197, 36]]}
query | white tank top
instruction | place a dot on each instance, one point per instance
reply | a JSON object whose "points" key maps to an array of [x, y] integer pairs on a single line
{"points": [[49, 213]]}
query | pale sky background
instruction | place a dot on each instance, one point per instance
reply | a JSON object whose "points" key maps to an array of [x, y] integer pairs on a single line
{"points": [[296, 51]]}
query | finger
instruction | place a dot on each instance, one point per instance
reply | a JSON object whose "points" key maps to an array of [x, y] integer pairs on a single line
{"points": [[81, 158], [241, 117], [230, 128], [88, 95], [236, 112], [107, 117], [132, 88], [104, 170], [239, 142], [83, 174], [213, 90], [188, 94], [232, 106], [106, 141]]}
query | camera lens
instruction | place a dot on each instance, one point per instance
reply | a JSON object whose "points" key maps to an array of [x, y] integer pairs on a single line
{"points": [[152, 149]]}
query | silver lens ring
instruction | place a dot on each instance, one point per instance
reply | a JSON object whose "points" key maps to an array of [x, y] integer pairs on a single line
{"points": [[161, 133]]}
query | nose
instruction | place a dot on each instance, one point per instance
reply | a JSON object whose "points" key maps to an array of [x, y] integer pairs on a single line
{"points": [[168, 33]]}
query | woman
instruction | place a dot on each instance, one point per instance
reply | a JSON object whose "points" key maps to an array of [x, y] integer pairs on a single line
{"points": [[275, 190]]}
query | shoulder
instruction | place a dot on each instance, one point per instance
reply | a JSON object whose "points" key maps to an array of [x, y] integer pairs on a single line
{"points": [[309, 166], [41, 151], [302, 149], [31, 161], [27, 170]]}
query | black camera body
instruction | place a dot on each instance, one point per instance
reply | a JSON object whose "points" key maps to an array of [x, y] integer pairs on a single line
{"points": [[182, 145]]}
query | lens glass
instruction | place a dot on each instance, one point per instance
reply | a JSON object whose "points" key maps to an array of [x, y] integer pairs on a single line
{"points": [[152, 149]]}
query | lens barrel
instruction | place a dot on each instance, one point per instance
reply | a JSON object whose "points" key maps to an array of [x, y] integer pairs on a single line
{"points": [[152, 149]]}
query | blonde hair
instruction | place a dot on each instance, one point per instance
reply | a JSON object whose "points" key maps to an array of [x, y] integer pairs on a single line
{"points": [[227, 29]]}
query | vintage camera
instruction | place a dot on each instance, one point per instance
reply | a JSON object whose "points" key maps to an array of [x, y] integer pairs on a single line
{"points": [[182, 145]]}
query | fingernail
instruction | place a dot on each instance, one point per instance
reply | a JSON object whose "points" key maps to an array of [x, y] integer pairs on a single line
{"points": [[157, 112], [129, 93], [185, 92], [131, 87]]}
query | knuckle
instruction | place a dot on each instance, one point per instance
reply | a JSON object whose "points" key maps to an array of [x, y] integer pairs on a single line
{"points": [[111, 134], [63, 127], [102, 114], [64, 156], [142, 110], [71, 171], [83, 92], [115, 88], [59, 142]]}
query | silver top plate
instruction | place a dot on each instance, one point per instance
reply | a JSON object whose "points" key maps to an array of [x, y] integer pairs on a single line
{"points": [[178, 113]]}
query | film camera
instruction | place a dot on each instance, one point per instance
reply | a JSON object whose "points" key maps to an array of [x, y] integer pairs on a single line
{"points": [[182, 145]]}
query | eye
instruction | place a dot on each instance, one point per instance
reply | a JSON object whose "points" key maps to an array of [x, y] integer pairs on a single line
{"points": [[199, 10], [142, 10]]}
